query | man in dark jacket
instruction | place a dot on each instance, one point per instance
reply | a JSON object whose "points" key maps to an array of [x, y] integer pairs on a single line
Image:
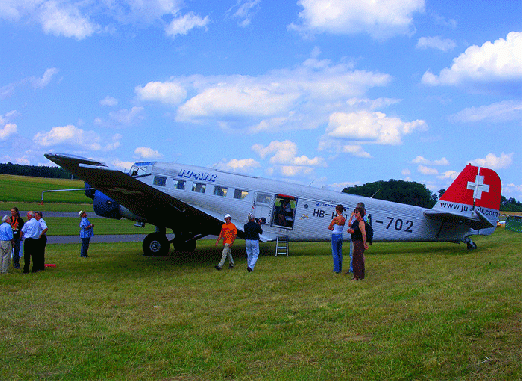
{"points": [[252, 230]]}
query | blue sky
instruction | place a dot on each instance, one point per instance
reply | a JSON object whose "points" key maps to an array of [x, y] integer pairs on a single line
{"points": [[323, 92]]}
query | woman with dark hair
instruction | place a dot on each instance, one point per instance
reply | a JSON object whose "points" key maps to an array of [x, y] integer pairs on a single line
{"points": [[336, 226], [358, 232], [17, 223]]}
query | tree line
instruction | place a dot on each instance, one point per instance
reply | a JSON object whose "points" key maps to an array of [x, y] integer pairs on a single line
{"points": [[404, 192], [412, 193], [34, 171]]}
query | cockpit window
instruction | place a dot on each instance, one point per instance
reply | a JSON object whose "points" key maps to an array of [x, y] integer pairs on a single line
{"points": [[141, 169]]}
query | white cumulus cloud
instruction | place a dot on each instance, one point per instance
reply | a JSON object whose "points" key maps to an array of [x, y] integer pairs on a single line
{"points": [[493, 161], [374, 127], [81, 19], [238, 165], [61, 18], [378, 18], [297, 98], [505, 111], [492, 62], [164, 92], [7, 130], [182, 25], [427, 170], [424, 161], [245, 10], [284, 156], [109, 101], [437, 42], [72, 136], [147, 153]]}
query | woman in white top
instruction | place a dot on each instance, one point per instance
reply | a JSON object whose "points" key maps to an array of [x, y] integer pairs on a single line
{"points": [[336, 226]]}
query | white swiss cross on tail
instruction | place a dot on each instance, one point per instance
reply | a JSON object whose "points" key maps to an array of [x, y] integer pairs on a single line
{"points": [[478, 186]]}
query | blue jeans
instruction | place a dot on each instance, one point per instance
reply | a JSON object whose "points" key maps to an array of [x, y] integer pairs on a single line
{"points": [[337, 252], [252, 250], [85, 246]]}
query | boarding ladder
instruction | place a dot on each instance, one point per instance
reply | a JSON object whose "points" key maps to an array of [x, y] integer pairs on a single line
{"points": [[282, 245]]}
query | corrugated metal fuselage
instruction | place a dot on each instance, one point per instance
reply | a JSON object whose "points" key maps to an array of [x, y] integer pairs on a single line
{"points": [[311, 208]]}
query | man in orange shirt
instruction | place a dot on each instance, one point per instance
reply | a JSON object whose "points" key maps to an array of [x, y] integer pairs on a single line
{"points": [[229, 234]]}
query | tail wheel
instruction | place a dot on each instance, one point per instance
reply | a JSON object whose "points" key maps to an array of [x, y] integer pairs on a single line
{"points": [[156, 244], [470, 244]]}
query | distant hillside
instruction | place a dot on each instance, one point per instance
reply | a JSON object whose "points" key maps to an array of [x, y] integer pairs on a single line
{"points": [[34, 171]]}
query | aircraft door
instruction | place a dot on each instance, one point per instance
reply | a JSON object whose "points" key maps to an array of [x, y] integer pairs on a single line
{"points": [[262, 207], [284, 211]]}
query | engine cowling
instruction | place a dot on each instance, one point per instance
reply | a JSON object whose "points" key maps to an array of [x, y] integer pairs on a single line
{"points": [[105, 206]]}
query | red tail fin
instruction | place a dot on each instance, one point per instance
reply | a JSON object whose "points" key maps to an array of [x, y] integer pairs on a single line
{"points": [[479, 187]]}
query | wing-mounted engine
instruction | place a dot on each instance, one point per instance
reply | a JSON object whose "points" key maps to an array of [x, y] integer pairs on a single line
{"points": [[120, 195]]}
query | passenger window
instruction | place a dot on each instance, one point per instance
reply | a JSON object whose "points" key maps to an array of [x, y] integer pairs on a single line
{"points": [[199, 187], [220, 191], [240, 194], [160, 181], [263, 198], [179, 184]]}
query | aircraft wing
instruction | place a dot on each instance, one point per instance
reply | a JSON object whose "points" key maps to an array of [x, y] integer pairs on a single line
{"points": [[156, 207], [477, 222]]}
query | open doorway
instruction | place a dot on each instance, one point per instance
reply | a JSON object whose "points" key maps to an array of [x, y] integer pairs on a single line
{"points": [[284, 211]]}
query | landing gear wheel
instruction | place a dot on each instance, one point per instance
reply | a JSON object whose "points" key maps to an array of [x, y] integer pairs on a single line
{"points": [[471, 245], [156, 244]]}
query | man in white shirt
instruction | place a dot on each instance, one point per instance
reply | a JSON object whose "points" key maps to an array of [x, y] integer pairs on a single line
{"points": [[42, 241], [31, 232]]}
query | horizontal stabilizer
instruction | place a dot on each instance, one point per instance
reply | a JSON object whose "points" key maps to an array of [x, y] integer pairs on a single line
{"points": [[476, 221]]}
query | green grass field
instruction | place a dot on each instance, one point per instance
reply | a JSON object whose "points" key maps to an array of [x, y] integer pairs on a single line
{"points": [[426, 311], [21, 189], [15, 189]]}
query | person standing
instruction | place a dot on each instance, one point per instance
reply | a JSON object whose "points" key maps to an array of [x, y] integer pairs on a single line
{"points": [[358, 232], [6, 244], [229, 234], [42, 241], [337, 226], [350, 222], [31, 232], [86, 232], [252, 230], [17, 223]]}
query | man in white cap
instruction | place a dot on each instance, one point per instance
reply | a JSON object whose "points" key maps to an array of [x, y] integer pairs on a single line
{"points": [[229, 234]]}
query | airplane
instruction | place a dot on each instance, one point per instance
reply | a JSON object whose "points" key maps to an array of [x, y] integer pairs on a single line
{"points": [[192, 200]]}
